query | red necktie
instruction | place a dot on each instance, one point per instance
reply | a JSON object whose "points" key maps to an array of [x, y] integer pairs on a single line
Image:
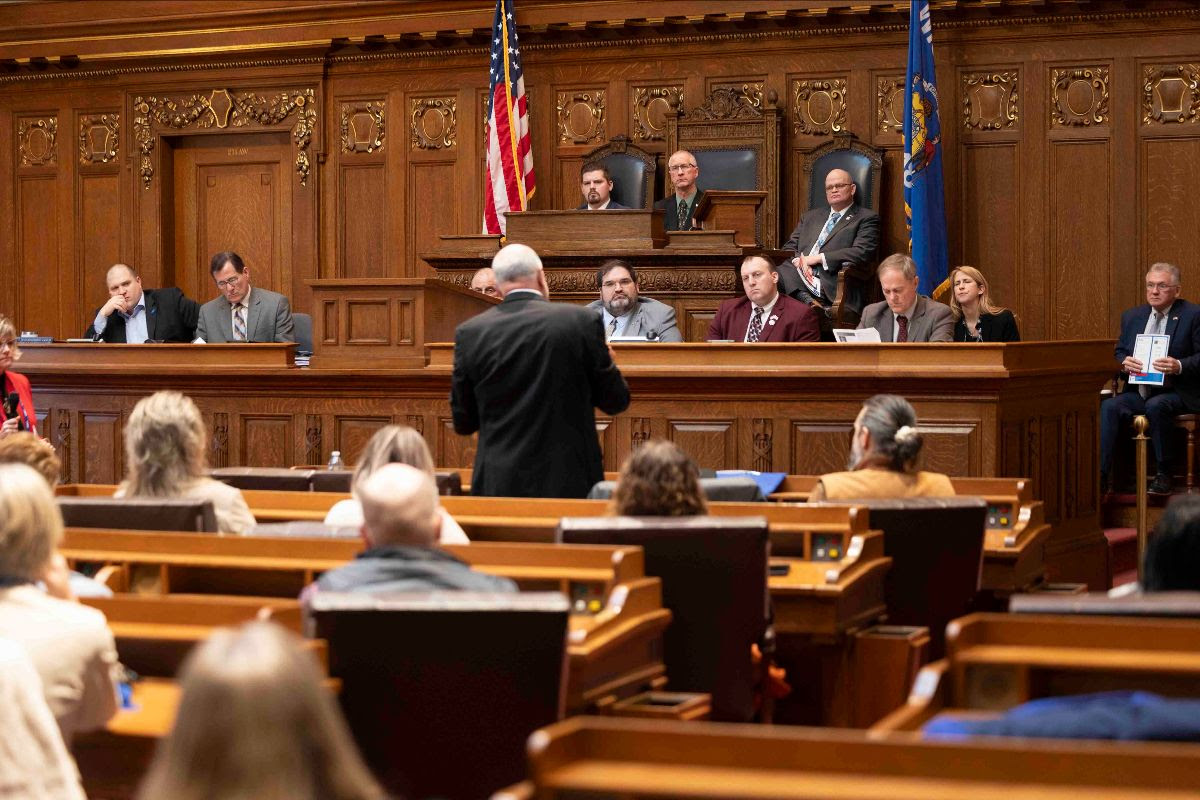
{"points": [[902, 335]]}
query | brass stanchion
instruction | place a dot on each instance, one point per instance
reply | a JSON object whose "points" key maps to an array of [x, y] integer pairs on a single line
{"points": [[1140, 424]]}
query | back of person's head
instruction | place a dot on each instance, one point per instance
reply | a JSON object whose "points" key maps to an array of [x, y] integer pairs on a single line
{"points": [[393, 444], [400, 507], [1172, 561], [892, 422], [658, 479], [26, 448], [30, 523], [515, 263], [255, 723], [164, 445]]}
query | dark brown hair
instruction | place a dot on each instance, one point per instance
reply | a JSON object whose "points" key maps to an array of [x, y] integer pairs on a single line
{"points": [[658, 480]]}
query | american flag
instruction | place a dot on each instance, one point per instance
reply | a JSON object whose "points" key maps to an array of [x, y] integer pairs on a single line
{"points": [[509, 157]]}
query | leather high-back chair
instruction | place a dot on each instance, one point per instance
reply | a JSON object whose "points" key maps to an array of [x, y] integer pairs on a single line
{"points": [[632, 170], [735, 138]]}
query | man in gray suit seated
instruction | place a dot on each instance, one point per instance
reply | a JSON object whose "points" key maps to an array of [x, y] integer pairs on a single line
{"points": [[241, 313], [627, 314], [903, 315]]}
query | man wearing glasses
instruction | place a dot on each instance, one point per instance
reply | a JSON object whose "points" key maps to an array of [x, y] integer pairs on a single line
{"points": [[627, 314], [1165, 314], [242, 313], [680, 207], [828, 240]]}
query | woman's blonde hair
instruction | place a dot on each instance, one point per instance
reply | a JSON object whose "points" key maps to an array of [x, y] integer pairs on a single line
{"points": [[393, 444], [658, 479], [30, 523], [164, 446], [255, 723], [986, 306], [8, 330]]}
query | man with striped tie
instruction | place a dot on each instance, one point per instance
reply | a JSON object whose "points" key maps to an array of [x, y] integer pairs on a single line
{"points": [[242, 313], [764, 314]]}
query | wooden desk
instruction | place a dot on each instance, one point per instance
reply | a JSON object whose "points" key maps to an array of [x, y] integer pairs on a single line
{"points": [[245, 357]]}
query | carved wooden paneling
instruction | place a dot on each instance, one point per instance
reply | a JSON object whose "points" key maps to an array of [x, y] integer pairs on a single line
{"points": [[752, 88], [991, 231], [363, 126], [368, 322], [1170, 94], [352, 434], [639, 432], [818, 106], [452, 450], [314, 451], [98, 228], [950, 448], [649, 108], [610, 451], [101, 447], [433, 209], [889, 105], [580, 115], [762, 442], [990, 100], [710, 442], [820, 447], [1170, 221], [1047, 451], [218, 448], [433, 123], [37, 251], [1080, 238], [37, 141], [363, 233], [266, 439], [1079, 96], [99, 138]]}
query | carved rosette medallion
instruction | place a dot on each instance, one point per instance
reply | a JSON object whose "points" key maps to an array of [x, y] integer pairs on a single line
{"points": [[581, 116], [1171, 94], [889, 104], [651, 108], [36, 140], [1079, 97], [223, 108], [434, 123], [990, 100], [362, 125], [99, 138], [819, 106]]}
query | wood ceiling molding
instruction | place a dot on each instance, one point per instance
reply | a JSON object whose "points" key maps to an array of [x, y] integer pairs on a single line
{"points": [[1079, 96]]}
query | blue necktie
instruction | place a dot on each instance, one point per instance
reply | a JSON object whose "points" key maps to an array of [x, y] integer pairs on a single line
{"points": [[829, 226]]}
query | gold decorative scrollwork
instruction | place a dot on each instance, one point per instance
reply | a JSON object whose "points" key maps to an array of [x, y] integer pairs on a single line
{"points": [[1079, 97], [819, 106], [434, 123], [363, 128], [990, 100], [753, 91], [36, 141], [99, 137], [889, 104], [222, 108], [732, 103], [651, 107], [581, 116], [1171, 94]]}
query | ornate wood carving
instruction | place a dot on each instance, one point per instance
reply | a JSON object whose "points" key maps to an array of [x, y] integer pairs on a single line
{"points": [[1079, 97], [762, 432], [651, 107], [990, 100], [363, 128], [221, 109], [639, 432], [889, 104], [313, 453], [416, 422], [219, 446], [1171, 94], [99, 138], [62, 441], [434, 123], [819, 106], [581, 116], [753, 90], [665, 280], [36, 140], [732, 103]]}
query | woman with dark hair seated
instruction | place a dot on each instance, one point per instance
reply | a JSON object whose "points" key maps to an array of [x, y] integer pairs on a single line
{"points": [[883, 454], [658, 480], [976, 317]]}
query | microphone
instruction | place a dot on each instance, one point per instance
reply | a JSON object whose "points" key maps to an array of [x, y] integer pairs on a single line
{"points": [[651, 336], [10, 409]]}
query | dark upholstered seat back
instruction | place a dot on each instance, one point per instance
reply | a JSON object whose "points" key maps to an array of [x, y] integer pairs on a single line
{"points": [[632, 170], [274, 479], [151, 514], [862, 166], [727, 168], [449, 482], [733, 490]]}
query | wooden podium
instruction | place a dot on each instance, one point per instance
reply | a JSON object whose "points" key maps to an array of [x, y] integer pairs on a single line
{"points": [[591, 231], [729, 210]]}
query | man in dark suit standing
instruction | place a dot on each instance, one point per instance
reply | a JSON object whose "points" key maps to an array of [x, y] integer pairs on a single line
{"points": [[764, 314], [1166, 314], [680, 208], [133, 314], [828, 240], [596, 184], [528, 375]]}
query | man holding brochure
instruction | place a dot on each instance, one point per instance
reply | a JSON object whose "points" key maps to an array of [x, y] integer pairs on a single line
{"points": [[1159, 349]]}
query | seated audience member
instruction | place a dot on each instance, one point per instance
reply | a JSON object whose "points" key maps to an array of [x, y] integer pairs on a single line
{"points": [[763, 315], [401, 522], [596, 183], [1172, 561], [625, 312], [255, 722], [1166, 313], [16, 413], [484, 281], [391, 444], [658, 480], [679, 210], [903, 315], [165, 457], [242, 313], [976, 317], [34, 761], [133, 314], [69, 644], [883, 451]]}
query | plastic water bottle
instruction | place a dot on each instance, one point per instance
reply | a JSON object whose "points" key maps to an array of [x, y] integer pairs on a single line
{"points": [[335, 460]]}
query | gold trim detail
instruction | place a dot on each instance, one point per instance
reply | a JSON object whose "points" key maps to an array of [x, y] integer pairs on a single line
{"points": [[887, 90], [1171, 94], [99, 138], [440, 112], [1068, 87], [37, 140], [220, 109], [363, 127], [825, 99], [646, 100], [587, 107], [990, 100]]}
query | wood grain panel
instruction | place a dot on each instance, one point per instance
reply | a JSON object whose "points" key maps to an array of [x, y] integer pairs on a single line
{"points": [[1080, 239], [949, 448], [266, 439], [990, 215], [711, 442], [891, 205], [1171, 216], [37, 254], [361, 228], [98, 227], [101, 455], [353, 433], [450, 449], [820, 447], [368, 322], [432, 211], [1049, 453]]}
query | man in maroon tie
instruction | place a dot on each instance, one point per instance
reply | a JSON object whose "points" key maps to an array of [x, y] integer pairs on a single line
{"points": [[903, 315]]}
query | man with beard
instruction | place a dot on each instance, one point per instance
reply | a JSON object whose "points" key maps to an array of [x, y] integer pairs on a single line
{"points": [[596, 184], [883, 453], [626, 313]]}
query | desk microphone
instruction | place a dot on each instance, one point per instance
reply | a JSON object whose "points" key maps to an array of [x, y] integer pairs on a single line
{"points": [[651, 336], [10, 409]]}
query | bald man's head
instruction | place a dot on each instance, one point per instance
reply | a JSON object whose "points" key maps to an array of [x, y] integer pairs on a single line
{"points": [[839, 189], [400, 507]]}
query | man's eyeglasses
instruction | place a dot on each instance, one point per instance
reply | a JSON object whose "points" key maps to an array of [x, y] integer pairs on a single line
{"points": [[8, 343], [681, 167], [231, 283], [1162, 287], [624, 283], [836, 187]]}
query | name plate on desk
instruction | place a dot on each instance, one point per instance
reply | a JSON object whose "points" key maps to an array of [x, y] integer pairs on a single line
{"points": [[587, 230], [203, 357]]}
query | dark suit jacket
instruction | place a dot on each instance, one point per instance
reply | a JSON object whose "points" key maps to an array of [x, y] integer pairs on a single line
{"points": [[931, 321], [1183, 326], [528, 375], [790, 321], [853, 242], [1000, 327], [670, 206], [170, 317], [613, 205]]}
